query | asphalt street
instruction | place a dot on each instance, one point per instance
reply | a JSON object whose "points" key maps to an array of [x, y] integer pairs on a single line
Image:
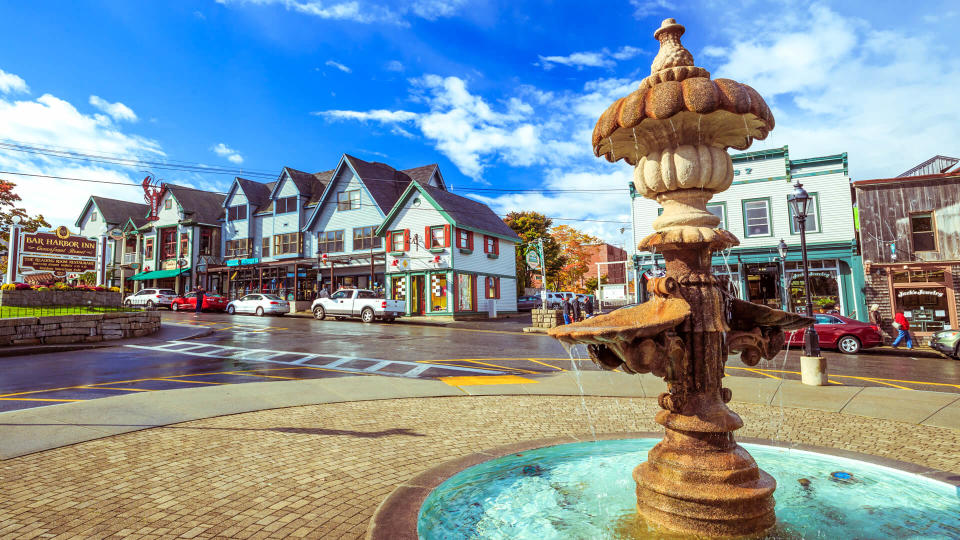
{"points": [[253, 349]]}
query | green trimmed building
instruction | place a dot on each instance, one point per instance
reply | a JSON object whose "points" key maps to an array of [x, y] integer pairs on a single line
{"points": [[448, 256], [755, 209]]}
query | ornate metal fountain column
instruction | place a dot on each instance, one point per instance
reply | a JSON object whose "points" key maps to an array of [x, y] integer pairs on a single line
{"points": [[675, 129]]}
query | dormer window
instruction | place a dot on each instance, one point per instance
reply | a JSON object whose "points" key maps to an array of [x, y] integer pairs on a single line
{"points": [[237, 212], [168, 204], [93, 216], [286, 204], [348, 200]]}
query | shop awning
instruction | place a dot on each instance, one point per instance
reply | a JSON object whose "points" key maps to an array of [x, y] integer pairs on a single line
{"points": [[159, 274]]}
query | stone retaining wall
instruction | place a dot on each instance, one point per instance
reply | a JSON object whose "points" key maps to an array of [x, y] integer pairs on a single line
{"points": [[59, 298], [546, 318], [77, 328]]}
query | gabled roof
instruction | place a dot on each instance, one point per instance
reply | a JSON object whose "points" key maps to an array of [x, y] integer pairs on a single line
{"points": [[384, 183], [201, 206], [115, 211], [257, 193], [323, 178], [303, 180], [422, 174], [460, 211]]}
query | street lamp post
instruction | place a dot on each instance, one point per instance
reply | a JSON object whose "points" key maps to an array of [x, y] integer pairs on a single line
{"points": [[800, 203], [813, 367], [784, 284]]}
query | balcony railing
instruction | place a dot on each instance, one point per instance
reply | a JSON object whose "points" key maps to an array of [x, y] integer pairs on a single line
{"points": [[131, 258]]}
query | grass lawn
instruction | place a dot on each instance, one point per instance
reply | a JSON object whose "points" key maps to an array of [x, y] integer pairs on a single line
{"points": [[13, 311]]}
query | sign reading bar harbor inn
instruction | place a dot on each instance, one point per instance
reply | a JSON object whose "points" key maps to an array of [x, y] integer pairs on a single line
{"points": [[59, 252]]}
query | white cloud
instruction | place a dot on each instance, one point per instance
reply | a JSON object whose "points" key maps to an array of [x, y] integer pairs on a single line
{"points": [[118, 111], [603, 58], [394, 65], [646, 8], [10, 83], [530, 128], [52, 123], [199, 14], [339, 66], [838, 84], [363, 12], [225, 151]]}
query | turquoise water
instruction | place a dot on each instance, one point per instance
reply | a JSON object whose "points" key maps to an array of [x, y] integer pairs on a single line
{"points": [[585, 490]]}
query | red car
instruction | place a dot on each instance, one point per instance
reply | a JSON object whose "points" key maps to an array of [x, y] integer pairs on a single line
{"points": [[842, 333], [188, 302]]}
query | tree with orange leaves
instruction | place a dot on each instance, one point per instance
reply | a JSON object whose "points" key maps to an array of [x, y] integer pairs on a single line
{"points": [[572, 242]]}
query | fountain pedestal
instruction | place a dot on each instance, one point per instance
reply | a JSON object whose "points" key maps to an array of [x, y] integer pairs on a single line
{"points": [[675, 129]]}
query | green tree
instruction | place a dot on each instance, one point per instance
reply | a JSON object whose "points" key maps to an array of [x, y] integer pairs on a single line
{"points": [[531, 226]]}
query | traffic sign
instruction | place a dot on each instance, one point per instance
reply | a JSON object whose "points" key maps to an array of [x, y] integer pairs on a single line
{"points": [[533, 259]]}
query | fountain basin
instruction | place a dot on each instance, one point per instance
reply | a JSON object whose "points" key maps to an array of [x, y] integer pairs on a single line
{"points": [[585, 490]]}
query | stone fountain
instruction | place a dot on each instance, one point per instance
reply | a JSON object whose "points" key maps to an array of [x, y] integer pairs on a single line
{"points": [[675, 129]]}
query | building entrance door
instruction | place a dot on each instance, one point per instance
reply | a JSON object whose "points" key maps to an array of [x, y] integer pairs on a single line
{"points": [[416, 295]]}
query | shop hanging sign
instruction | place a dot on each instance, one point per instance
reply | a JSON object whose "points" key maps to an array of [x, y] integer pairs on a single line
{"points": [[920, 292], [533, 259]]}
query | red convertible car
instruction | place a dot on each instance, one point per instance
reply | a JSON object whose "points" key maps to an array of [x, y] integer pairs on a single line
{"points": [[842, 333], [188, 302]]}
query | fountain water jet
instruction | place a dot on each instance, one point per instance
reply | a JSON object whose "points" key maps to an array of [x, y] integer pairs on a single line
{"points": [[697, 480]]}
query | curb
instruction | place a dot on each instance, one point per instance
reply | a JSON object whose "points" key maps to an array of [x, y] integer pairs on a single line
{"points": [[48, 349]]}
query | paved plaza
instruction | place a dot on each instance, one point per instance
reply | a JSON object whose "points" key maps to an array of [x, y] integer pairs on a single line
{"points": [[321, 470]]}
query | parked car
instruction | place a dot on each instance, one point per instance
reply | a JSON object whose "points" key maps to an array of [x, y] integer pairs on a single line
{"points": [[555, 298], [847, 335], [211, 302], [261, 304], [151, 298], [527, 303], [362, 303], [947, 342]]}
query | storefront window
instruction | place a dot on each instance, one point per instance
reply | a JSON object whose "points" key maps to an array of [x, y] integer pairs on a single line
{"points": [[824, 291], [464, 292], [398, 288], [438, 292], [924, 307]]}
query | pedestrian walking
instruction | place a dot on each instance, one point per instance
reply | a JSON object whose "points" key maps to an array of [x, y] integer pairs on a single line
{"points": [[588, 307], [875, 316], [575, 309], [324, 293], [200, 295], [903, 330], [565, 305]]}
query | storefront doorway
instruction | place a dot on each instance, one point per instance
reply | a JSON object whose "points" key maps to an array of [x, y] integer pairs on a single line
{"points": [[416, 295], [925, 297], [763, 285]]}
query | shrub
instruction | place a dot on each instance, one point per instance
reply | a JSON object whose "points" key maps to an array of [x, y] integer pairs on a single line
{"points": [[115, 289], [43, 289], [22, 287], [7, 287]]}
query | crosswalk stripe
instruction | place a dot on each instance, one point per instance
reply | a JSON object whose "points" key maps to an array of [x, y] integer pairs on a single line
{"points": [[339, 363]]}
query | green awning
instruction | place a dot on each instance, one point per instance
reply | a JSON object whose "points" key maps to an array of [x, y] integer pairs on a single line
{"points": [[159, 274]]}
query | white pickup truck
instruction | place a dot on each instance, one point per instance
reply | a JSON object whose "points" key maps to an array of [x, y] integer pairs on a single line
{"points": [[357, 303]]}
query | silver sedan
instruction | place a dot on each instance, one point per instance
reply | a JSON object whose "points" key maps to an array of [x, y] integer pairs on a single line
{"points": [[260, 304]]}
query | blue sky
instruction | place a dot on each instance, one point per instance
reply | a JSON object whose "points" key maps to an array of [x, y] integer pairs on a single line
{"points": [[503, 95]]}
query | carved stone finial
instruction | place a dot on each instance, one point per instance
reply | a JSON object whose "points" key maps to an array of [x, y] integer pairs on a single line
{"points": [[672, 53]]}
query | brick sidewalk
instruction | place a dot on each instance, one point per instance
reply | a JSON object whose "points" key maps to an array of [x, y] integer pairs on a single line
{"points": [[320, 471]]}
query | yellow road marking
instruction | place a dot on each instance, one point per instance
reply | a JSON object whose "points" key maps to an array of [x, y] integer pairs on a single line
{"points": [[486, 380], [479, 361], [172, 379], [452, 364], [545, 364], [758, 372], [258, 375], [38, 399], [101, 387], [886, 383]]}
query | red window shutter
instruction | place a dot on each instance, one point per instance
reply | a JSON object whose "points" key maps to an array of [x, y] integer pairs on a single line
{"points": [[406, 239], [427, 239], [470, 240], [447, 230], [473, 292], [485, 250], [496, 248], [497, 285]]}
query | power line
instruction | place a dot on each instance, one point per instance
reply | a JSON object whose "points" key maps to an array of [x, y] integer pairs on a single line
{"points": [[126, 184], [63, 152]]}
